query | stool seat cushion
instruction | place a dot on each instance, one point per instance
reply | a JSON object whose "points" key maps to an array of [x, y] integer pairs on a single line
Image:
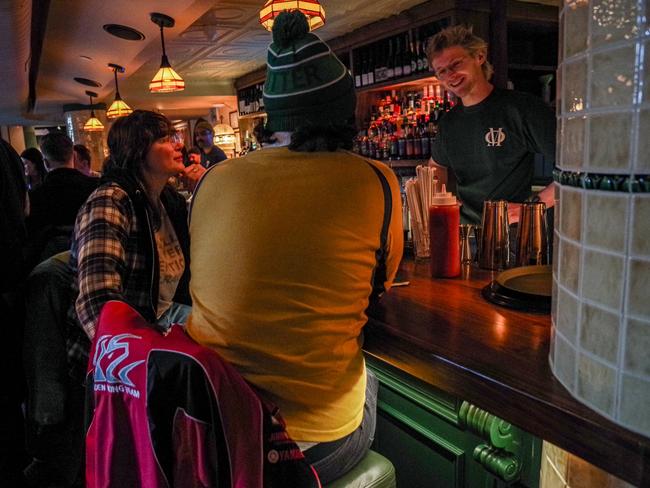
{"points": [[373, 471]]}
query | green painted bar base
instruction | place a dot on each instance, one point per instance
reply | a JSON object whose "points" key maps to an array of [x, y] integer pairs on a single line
{"points": [[437, 441]]}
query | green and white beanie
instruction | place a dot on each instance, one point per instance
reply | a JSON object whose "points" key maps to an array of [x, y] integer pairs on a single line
{"points": [[306, 84]]}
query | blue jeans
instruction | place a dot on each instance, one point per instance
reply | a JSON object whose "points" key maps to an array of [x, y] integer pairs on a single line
{"points": [[331, 460], [177, 313]]}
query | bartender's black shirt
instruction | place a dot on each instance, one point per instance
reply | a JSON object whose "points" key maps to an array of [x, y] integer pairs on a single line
{"points": [[490, 147]]}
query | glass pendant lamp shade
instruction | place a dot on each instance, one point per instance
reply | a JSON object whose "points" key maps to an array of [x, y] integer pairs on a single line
{"points": [[118, 108], [223, 134], [313, 10], [93, 124], [166, 79]]}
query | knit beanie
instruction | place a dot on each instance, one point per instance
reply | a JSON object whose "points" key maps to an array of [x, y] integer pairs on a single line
{"points": [[306, 84]]}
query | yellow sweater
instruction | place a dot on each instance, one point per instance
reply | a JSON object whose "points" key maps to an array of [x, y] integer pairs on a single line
{"points": [[282, 259]]}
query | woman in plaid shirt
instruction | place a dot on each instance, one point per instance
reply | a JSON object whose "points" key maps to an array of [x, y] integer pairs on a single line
{"points": [[131, 240]]}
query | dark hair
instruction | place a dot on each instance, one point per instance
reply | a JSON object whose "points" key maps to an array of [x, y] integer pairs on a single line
{"points": [[56, 147], [262, 134], [35, 156], [322, 138], [194, 150], [131, 137], [83, 152]]}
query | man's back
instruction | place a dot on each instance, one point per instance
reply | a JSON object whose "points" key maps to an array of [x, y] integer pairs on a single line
{"points": [[54, 206], [58, 200], [283, 258]]}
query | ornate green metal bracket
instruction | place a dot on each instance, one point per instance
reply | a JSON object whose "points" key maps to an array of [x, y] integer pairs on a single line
{"points": [[502, 457], [505, 466], [496, 431]]}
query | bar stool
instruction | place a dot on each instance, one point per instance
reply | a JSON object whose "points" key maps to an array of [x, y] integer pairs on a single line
{"points": [[373, 471]]}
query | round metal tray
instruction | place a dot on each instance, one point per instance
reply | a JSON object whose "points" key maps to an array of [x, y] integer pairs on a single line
{"points": [[527, 289]]}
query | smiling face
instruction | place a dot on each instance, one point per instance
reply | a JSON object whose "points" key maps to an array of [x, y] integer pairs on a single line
{"points": [[164, 158], [460, 72]]}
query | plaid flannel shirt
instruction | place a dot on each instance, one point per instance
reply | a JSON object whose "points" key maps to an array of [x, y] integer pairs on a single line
{"points": [[112, 256]]}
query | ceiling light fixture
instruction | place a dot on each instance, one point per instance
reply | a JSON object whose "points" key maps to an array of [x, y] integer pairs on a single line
{"points": [[313, 10], [118, 108], [166, 79], [93, 124]]}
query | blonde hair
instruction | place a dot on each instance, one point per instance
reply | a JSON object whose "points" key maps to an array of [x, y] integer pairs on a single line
{"points": [[462, 36]]}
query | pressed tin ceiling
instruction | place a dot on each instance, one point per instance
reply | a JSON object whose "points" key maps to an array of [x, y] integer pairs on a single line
{"points": [[211, 44]]}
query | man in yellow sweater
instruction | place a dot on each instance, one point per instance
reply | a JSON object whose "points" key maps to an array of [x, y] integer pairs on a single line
{"points": [[289, 244]]}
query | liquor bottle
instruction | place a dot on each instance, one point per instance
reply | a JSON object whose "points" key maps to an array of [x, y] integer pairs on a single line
{"points": [[394, 150], [401, 144], [417, 143], [418, 54], [390, 62], [423, 56], [406, 59], [260, 94], [446, 105], [241, 103], [364, 69], [357, 70], [364, 144], [371, 67], [409, 141], [412, 57], [397, 62]]}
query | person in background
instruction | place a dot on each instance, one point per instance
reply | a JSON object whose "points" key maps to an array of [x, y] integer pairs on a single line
{"points": [[82, 160], [34, 167], [54, 205], [131, 241], [204, 139], [289, 245], [489, 139], [12, 238]]}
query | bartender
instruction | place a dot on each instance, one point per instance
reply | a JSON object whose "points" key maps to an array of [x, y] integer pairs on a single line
{"points": [[489, 140]]}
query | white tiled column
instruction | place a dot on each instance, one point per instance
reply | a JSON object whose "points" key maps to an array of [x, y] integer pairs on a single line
{"points": [[600, 347]]}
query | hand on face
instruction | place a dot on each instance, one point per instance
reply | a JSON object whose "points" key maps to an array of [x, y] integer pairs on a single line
{"points": [[191, 175], [194, 158]]}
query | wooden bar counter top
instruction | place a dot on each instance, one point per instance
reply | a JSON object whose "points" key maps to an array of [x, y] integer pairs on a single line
{"points": [[444, 333]]}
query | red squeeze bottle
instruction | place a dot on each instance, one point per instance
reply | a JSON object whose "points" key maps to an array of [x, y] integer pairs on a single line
{"points": [[444, 230]]}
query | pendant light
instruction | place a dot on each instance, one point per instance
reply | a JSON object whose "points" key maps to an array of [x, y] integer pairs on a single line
{"points": [[93, 124], [166, 79], [118, 108], [313, 10]]}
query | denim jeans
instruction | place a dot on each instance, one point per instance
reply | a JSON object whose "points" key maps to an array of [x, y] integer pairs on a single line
{"points": [[177, 313], [346, 453]]}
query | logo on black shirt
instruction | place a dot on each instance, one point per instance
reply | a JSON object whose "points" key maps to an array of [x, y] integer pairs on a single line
{"points": [[494, 137]]}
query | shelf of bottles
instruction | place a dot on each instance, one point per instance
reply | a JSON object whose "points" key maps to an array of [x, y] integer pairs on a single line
{"points": [[403, 123], [250, 100], [394, 59]]}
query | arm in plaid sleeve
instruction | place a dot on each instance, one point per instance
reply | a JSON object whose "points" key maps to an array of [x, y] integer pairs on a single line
{"points": [[101, 231]]}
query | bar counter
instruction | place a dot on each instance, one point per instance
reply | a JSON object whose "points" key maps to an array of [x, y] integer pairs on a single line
{"points": [[442, 332]]}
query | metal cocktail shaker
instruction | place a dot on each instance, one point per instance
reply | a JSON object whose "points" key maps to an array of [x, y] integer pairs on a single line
{"points": [[494, 247], [532, 235]]}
